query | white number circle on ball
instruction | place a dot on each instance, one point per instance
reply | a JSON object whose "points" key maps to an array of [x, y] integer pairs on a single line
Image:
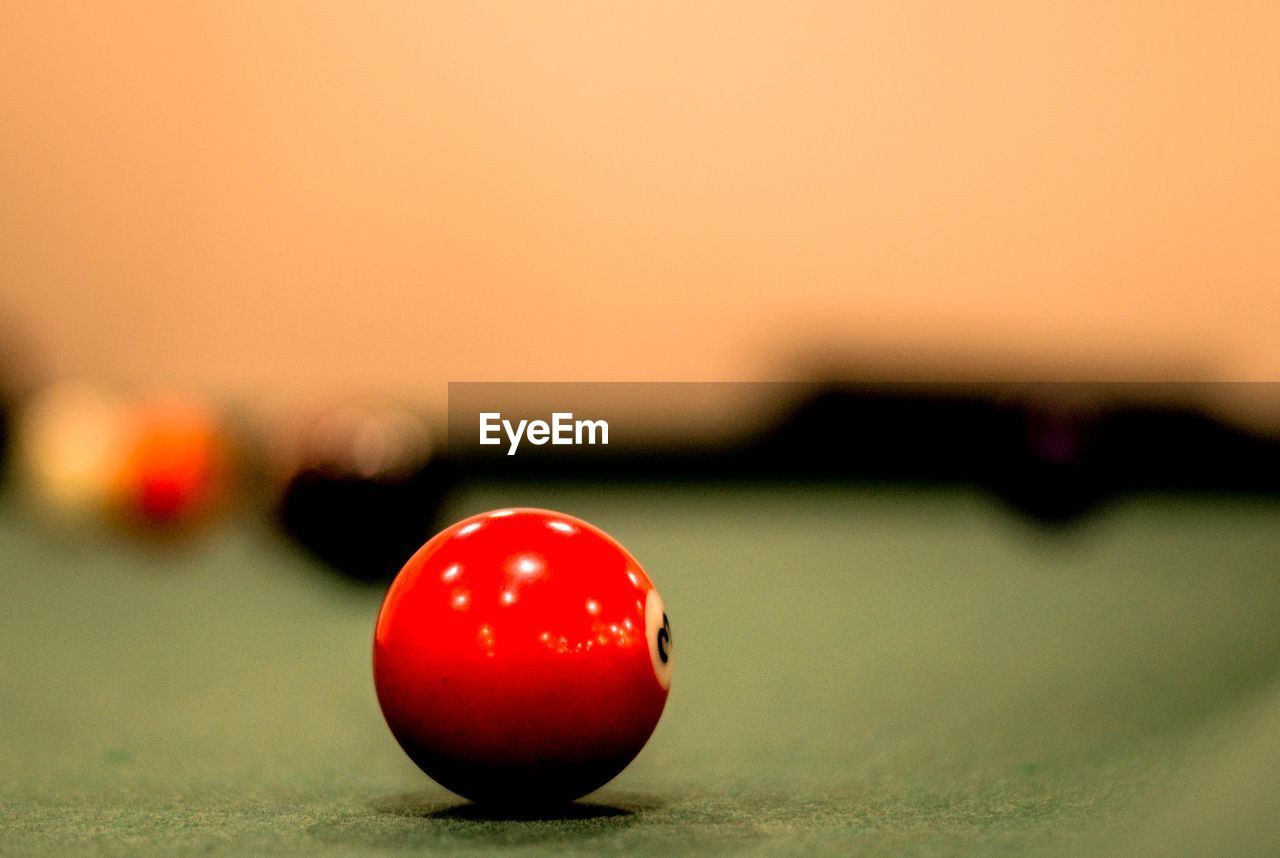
{"points": [[658, 630]]}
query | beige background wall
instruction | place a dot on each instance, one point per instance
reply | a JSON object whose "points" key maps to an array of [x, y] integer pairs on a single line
{"points": [[323, 197]]}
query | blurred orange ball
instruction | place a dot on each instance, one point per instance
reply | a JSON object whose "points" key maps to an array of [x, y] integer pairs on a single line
{"points": [[176, 464]]}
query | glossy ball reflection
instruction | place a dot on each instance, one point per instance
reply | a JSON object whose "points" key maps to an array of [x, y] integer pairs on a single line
{"points": [[522, 656]]}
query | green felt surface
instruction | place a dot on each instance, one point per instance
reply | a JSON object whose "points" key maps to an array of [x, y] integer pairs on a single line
{"points": [[873, 671]]}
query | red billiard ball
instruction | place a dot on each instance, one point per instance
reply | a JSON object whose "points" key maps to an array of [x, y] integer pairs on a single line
{"points": [[522, 656]]}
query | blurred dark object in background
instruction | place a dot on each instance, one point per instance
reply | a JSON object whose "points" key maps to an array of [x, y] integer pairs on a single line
{"points": [[1037, 449], [1043, 457], [365, 529], [1162, 447], [1053, 451], [362, 490]]}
